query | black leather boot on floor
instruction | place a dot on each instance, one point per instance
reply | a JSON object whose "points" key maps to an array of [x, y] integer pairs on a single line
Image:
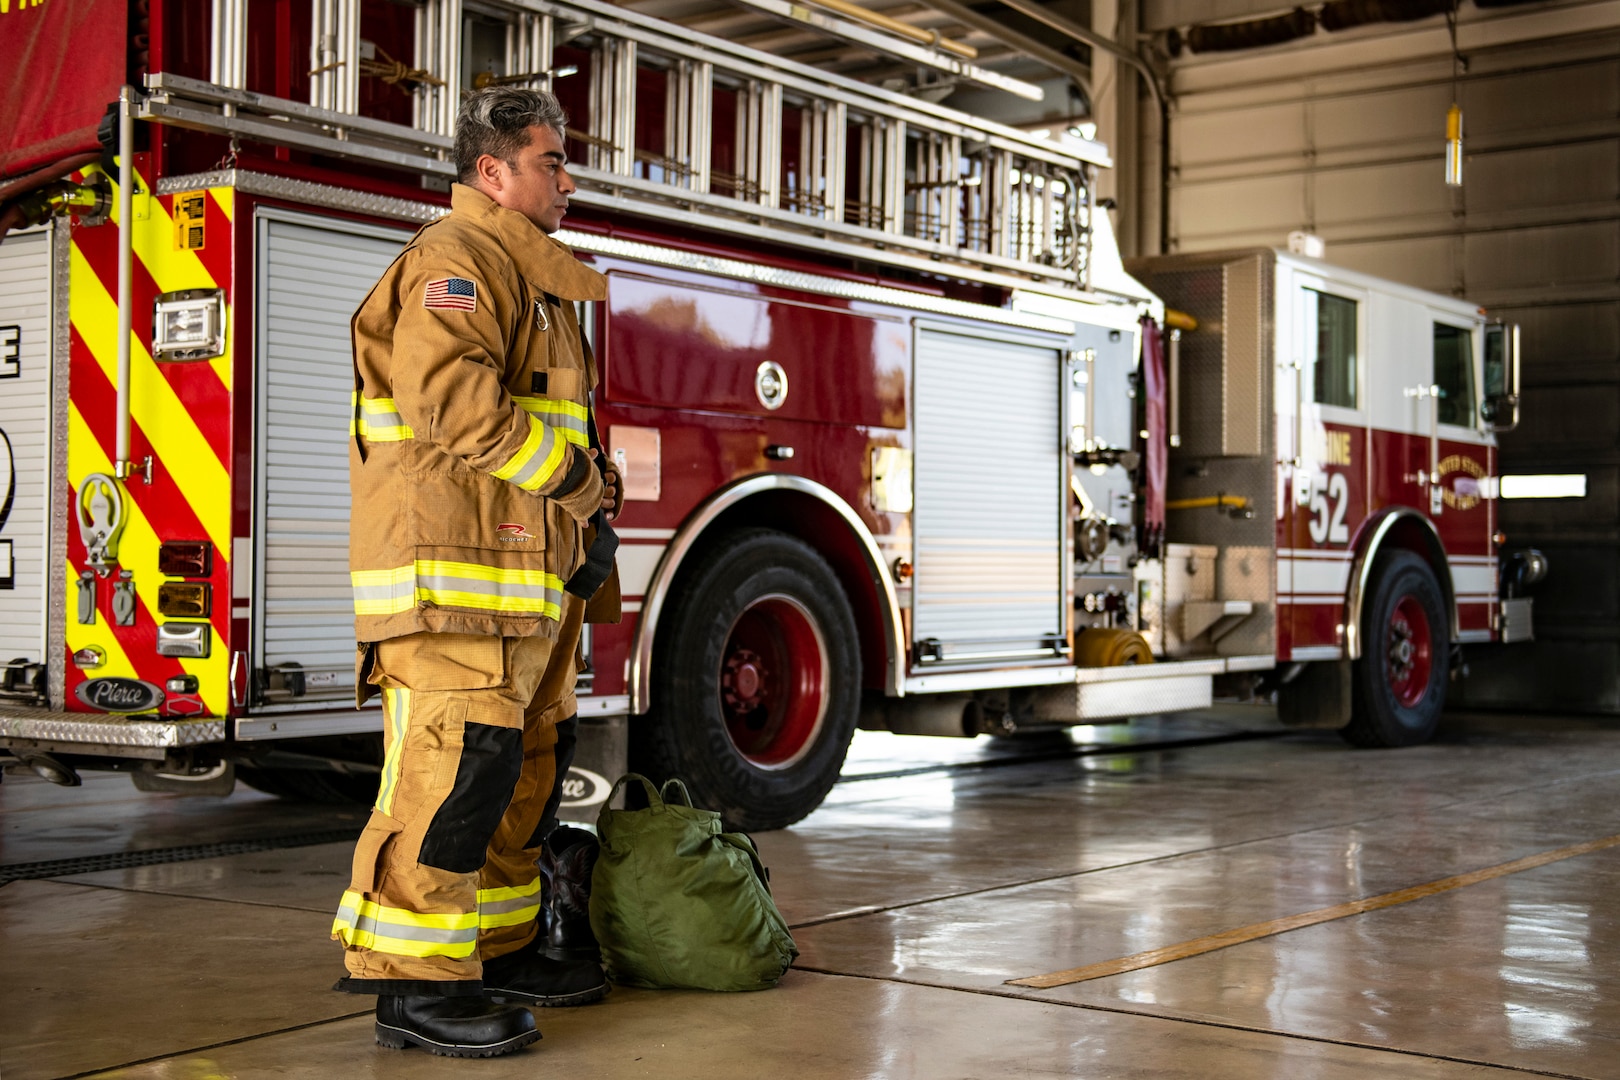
{"points": [[528, 977], [453, 1026], [567, 859]]}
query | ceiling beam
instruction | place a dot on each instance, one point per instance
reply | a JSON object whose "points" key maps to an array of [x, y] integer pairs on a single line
{"points": [[1052, 58], [893, 45]]}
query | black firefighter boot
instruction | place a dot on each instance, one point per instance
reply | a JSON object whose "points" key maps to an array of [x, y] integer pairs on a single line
{"points": [[530, 977], [461, 1027], [562, 965], [567, 859]]}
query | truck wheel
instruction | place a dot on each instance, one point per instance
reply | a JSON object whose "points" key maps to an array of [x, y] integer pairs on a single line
{"points": [[1399, 685], [756, 683], [328, 787]]}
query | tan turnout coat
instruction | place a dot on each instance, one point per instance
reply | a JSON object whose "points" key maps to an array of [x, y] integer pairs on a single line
{"points": [[470, 480]]}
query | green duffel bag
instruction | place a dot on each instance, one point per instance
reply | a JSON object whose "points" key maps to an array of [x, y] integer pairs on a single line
{"points": [[676, 903]]}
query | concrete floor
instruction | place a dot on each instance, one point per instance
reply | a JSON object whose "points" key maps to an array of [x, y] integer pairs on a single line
{"points": [[914, 900]]}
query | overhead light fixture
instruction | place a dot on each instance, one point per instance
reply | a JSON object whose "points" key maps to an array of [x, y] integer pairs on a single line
{"points": [[1454, 145]]}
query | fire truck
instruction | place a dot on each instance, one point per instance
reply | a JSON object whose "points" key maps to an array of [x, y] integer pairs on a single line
{"points": [[905, 445]]}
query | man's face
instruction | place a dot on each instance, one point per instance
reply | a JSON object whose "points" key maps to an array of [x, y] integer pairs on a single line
{"points": [[536, 184]]}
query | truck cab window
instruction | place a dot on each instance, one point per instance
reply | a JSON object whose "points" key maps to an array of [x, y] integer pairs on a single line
{"points": [[1454, 374], [1330, 344]]}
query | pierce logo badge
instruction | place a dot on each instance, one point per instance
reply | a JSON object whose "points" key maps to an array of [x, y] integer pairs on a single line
{"points": [[582, 787], [451, 294], [511, 532], [117, 695]]}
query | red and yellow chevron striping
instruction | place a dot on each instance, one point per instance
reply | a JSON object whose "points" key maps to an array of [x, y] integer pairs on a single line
{"points": [[180, 415]]}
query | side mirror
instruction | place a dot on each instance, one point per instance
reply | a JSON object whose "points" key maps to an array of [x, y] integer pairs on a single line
{"points": [[1500, 409]]}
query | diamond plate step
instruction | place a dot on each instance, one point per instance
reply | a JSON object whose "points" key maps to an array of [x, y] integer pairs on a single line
{"points": [[105, 729]]}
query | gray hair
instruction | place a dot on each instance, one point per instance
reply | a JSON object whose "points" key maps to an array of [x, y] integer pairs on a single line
{"points": [[496, 121]]}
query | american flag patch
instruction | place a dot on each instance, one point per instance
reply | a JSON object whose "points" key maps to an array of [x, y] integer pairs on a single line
{"points": [[451, 294]]}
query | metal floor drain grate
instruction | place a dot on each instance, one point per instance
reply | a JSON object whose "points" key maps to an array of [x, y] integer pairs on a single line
{"points": [[124, 860]]}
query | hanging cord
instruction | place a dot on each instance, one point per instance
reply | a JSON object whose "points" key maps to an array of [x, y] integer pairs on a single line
{"points": [[391, 71], [1454, 118], [1459, 64]]}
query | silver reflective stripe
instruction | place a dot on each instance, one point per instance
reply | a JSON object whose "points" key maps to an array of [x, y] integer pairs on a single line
{"points": [[384, 599], [572, 424], [403, 931], [516, 903], [380, 421], [567, 416], [526, 473], [395, 591], [439, 585]]}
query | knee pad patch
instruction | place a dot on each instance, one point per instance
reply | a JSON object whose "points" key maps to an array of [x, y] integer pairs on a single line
{"points": [[458, 837]]}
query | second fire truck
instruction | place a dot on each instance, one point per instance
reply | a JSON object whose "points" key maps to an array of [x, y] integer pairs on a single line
{"points": [[905, 445]]}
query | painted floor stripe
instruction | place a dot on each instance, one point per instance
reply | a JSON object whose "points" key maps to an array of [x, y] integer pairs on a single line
{"points": [[1228, 938]]}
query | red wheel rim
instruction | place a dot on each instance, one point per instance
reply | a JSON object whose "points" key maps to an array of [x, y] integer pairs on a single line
{"points": [[774, 682], [1410, 658]]}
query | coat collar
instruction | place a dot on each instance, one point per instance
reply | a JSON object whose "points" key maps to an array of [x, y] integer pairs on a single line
{"points": [[541, 259]]}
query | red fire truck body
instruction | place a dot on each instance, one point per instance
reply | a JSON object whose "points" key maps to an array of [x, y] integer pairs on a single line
{"points": [[902, 447], [1369, 404]]}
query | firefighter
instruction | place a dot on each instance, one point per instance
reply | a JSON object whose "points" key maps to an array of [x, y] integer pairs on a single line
{"points": [[479, 531]]}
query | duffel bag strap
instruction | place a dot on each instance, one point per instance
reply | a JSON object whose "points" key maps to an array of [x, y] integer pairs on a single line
{"points": [[680, 787], [653, 797]]}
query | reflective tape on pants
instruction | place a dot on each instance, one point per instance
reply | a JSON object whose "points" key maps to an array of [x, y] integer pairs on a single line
{"points": [[363, 924], [509, 906]]}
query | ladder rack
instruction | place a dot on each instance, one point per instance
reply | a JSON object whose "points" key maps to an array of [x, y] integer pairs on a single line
{"points": [[687, 128]]}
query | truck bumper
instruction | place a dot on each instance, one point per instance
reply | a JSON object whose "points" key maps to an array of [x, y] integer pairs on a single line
{"points": [[102, 733], [1514, 620]]}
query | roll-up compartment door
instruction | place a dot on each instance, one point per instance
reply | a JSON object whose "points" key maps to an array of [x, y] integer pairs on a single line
{"points": [[25, 442], [312, 277], [989, 498]]}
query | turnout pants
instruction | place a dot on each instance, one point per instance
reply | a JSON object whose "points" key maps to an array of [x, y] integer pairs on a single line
{"points": [[479, 732]]}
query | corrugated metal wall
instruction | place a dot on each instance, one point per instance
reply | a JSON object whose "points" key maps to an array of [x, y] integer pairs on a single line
{"points": [[1342, 135], [311, 279], [25, 430], [989, 538]]}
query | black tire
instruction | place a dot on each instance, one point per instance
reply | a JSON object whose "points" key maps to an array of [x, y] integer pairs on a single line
{"points": [[1398, 686], [326, 787], [759, 612]]}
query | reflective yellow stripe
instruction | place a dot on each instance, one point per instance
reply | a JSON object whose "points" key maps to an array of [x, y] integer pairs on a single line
{"points": [[397, 707], [508, 892], [377, 419], [457, 584], [560, 406], [365, 924], [569, 419], [511, 905], [536, 460], [383, 592], [480, 572]]}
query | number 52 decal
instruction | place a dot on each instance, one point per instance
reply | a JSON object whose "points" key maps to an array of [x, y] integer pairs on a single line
{"points": [[1329, 501]]}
